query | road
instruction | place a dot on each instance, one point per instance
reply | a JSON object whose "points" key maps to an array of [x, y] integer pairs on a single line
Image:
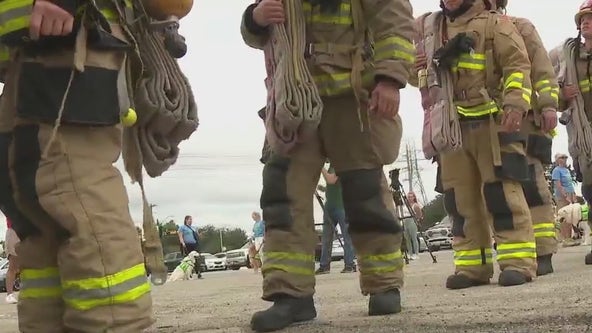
{"points": [[224, 302]]}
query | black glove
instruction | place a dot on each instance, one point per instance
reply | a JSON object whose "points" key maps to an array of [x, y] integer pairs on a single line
{"points": [[447, 55], [578, 173]]}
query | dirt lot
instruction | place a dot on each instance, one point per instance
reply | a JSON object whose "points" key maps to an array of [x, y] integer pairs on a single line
{"points": [[224, 302]]}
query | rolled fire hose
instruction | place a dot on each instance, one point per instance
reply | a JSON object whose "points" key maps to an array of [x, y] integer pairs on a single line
{"points": [[451, 129], [578, 129], [294, 106], [167, 115]]}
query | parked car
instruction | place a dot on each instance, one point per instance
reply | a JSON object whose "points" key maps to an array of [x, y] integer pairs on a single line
{"points": [[3, 271], [440, 235], [172, 260], [213, 263], [423, 246], [238, 258]]}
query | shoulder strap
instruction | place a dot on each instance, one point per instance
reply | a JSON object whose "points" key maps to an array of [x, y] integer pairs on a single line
{"points": [[491, 83], [359, 22]]}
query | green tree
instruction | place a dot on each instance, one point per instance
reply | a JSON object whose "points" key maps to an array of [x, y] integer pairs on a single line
{"points": [[433, 212], [209, 238]]}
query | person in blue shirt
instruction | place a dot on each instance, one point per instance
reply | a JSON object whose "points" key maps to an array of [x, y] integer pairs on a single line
{"points": [[258, 234], [189, 239], [564, 190]]}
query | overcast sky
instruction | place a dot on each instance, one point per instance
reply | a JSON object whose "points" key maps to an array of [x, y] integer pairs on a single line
{"points": [[217, 178]]}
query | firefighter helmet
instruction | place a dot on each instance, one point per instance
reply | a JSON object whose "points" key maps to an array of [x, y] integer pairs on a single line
{"points": [[163, 9], [585, 8]]}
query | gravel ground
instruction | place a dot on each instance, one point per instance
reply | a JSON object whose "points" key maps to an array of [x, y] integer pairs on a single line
{"points": [[224, 302]]}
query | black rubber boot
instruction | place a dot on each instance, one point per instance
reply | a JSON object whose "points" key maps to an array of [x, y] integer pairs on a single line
{"points": [[544, 265], [388, 302], [349, 269], [285, 311], [459, 281], [510, 277], [589, 258]]}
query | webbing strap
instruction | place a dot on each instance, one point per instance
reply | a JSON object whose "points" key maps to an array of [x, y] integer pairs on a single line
{"points": [[357, 53], [491, 85], [578, 129], [294, 107]]}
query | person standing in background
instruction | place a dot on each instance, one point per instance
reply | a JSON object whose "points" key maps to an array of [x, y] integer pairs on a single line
{"points": [[410, 226], [11, 241], [258, 235], [565, 192], [333, 215], [189, 239]]}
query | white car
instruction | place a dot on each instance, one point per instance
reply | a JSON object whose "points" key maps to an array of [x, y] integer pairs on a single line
{"points": [[213, 263]]}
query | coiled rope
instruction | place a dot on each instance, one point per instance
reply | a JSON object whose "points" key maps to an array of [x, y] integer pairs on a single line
{"points": [[294, 106]]}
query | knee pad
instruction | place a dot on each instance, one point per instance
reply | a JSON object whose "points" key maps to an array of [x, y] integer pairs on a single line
{"points": [[21, 225], [514, 165], [531, 190], [497, 205], [439, 187], [274, 200], [363, 202], [539, 147], [458, 221]]}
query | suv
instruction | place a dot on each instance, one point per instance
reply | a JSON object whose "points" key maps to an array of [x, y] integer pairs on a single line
{"points": [[238, 258], [440, 235]]}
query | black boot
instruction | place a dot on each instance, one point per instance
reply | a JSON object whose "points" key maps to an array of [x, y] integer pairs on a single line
{"points": [[544, 265], [459, 281], [388, 302], [510, 277], [589, 259], [285, 311], [349, 269]]}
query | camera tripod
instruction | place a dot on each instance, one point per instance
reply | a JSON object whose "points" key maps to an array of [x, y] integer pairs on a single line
{"points": [[401, 203]]}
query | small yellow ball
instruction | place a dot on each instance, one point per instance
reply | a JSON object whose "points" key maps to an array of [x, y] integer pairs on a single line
{"points": [[129, 118]]}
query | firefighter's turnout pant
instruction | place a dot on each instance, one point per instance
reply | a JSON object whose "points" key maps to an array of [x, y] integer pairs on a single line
{"points": [[585, 167], [536, 190], [481, 196], [82, 268], [287, 201]]}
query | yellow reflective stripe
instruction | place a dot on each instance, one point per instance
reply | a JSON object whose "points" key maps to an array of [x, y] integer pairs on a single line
{"points": [[294, 263], [515, 81], [474, 61], [125, 286], [394, 47], [473, 257], [14, 15], [516, 250], [343, 18], [335, 84], [585, 85], [544, 230], [545, 87], [479, 110], [553, 132], [40, 283], [380, 263]]}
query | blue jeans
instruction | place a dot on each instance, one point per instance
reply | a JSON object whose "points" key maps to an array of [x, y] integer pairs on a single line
{"points": [[411, 236], [335, 216]]}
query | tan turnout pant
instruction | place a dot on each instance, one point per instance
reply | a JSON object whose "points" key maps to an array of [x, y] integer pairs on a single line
{"points": [[82, 268], [287, 202], [481, 197], [536, 190]]}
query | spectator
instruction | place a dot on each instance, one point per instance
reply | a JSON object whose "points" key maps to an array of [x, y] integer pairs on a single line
{"points": [[564, 192], [334, 215], [11, 241], [188, 236], [410, 227], [258, 235]]}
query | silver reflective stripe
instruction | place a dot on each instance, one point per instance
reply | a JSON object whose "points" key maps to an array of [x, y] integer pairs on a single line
{"points": [[40, 283], [98, 293]]}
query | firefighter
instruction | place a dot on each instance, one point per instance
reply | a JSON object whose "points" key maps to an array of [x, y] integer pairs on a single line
{"points": [[571, 92], [82, 264], [482, 181], [357, 155], [541, 120]]}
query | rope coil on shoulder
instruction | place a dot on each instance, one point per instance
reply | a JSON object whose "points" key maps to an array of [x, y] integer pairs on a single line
{"points": [[294, 106]]}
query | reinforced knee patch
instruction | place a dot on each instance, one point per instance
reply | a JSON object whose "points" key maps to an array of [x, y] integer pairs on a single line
{"points": [[363, 203], [539, 147], [439, 187], [458, 221], [274, 200], [497, 205], [531, 190], [514, 165], [20, 224]]}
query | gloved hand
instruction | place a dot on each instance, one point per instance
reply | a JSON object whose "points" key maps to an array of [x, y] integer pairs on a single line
{"points": [[447, 55], [511, 119], [50, 19]]}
